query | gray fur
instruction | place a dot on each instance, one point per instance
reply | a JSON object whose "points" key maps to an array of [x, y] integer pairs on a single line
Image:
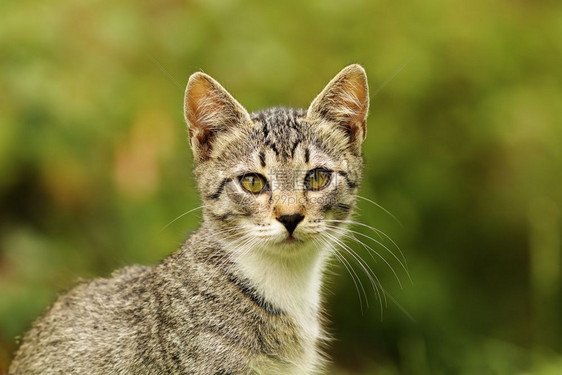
{"points": [[201, 310], [179, 317]]}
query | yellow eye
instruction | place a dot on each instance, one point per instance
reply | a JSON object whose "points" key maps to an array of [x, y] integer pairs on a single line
{"points": [[317, 179], [254, 183]]}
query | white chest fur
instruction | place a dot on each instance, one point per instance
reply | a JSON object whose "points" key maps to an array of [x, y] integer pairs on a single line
{"points": [[291, 283]]}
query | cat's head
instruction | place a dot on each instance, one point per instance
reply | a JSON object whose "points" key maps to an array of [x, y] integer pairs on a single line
{"points": [[277, 178]]}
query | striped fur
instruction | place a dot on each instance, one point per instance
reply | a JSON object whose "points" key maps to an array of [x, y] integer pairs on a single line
{"points": [[240, 296]]}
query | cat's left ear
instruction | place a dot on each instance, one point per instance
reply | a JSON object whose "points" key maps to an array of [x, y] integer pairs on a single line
{"points": [[210, 110], [345, 103]]}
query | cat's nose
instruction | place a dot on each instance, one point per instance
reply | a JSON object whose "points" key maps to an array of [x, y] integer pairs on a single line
{"points": [[290, 221]]}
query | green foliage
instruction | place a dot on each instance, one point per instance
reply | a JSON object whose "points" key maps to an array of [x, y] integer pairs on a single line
{"points": [[464, 147]]}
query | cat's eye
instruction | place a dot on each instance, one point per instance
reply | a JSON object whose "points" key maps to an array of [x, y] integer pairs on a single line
{"points": [[253, 183], [317, 179]]}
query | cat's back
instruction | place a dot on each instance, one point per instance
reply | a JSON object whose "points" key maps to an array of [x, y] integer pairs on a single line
{"points": [[86, 322]]}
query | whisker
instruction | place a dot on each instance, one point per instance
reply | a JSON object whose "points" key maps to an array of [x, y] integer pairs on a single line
{"points": [[350, 270], [241, 246], [380, 234], [404, 265], [374, 285], [398, 305], [179, 217], [381, 207], [362, 263], [374, 251], [387, 294], [374, 260]]}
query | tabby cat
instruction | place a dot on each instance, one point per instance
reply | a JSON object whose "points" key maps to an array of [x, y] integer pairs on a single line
{"points": [[242, 294]]}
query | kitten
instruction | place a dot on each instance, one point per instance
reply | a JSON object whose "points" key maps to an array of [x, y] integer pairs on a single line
{"points": [[242, 294]]}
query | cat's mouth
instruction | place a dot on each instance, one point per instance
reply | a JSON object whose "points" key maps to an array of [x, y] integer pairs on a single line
{"points": [[291, 240]]}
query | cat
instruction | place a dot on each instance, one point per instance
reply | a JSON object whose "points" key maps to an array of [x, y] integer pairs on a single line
{"points": [[242, 295]]}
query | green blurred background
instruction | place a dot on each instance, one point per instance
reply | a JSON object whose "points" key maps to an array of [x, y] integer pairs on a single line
{"points": [[464, 148]]}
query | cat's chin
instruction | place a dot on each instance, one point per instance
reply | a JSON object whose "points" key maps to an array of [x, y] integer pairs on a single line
{"points": [[291, 242], [291, 246]]}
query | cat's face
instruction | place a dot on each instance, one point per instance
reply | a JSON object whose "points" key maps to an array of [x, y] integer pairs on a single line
{"points": [[278, 178]]}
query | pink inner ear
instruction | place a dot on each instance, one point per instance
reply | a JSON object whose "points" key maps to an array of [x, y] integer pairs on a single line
{"points": [[345, 97], [209, 110], [201, 105], [200, 100], [352, 96], [357, 102], [345, 101]]}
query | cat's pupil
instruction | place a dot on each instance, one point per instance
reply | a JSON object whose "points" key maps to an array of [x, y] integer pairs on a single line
{"points": [[317, 179], [253, 183]]}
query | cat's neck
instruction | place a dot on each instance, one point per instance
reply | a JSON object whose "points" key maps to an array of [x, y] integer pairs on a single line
{"points": [[290, 286], [291, 283]]}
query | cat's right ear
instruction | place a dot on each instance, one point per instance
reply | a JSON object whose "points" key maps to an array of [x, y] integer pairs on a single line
{"points": [[344, 102], [209, 110]]}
